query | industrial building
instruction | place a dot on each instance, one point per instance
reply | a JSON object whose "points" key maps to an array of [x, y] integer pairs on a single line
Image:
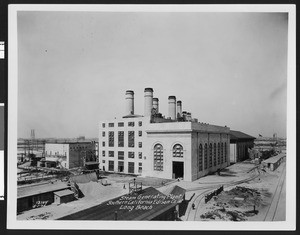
{"points": [[240, 144], [177, 146], [70, 155]]}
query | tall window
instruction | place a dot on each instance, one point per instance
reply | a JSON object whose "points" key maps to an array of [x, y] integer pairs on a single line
{"points": [[111, 153], [177, 150], [140, 167], [210, 155], [158, 157], [121, 139], [111, 165], [120, 166], [140, 123], [103, 125], [121, 155], [222, 150], [218, 153], [130, 167], [215, 154], [131, 139], [103, 153], [225, 154], [200, 158], [103, 133], [111, 139], [205, 156], [130, 154]]}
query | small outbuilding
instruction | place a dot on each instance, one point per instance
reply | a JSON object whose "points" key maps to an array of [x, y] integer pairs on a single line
{"points": [[63, 196], [274, 162]]}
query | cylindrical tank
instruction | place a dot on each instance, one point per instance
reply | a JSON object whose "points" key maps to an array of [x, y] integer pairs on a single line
{"points": [[179, 108], [172, 107], [156, 105], [148, 101], [129, 98]]}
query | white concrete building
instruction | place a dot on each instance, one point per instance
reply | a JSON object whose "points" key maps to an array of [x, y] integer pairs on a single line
{"points": [[151, 145]]}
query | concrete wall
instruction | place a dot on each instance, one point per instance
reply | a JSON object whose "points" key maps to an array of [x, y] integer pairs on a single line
{"points": [[136, 149], [208, 138], [168, 140]]}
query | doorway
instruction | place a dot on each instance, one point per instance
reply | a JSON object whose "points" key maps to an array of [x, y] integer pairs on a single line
{"points": [[178, 170]]}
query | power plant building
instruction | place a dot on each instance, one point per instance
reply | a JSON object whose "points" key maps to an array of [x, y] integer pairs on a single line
{"points": [[151, 145]]}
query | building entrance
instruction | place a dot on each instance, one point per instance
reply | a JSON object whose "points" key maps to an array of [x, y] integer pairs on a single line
{"points": [[177, 170]]}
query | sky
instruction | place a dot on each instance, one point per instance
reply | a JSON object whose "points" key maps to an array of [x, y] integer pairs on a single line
{"points": [[75, 67]]}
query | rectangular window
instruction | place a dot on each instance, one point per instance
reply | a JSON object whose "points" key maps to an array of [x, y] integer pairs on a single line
{"points": [[103, 133], [130, 167], [140, 155], [121, 155], [140, 133], [103, 144], [111, 153], [140, 145], [140, 169], [103, 161], [103, 125], [111, 124], [120, 166], [111, 139], [130, 123], [130, 154], [103, 153], [121, 138], [140, 123], [111, 165], [120, 124], [131, 139]]}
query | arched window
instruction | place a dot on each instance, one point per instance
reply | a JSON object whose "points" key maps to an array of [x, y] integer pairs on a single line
{"points": [[205, 156], [177, 150], [225, 146], [210, 155], [218, 153], [200, 158], [158, 157], [222, 150], [215, 154]]}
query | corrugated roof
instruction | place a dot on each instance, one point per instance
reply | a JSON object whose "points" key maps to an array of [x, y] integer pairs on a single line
{"points": [[139, 203], [240, 135], [39, 189], [64, 193]]}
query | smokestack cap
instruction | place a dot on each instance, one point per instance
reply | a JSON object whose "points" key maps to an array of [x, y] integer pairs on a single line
{"points": [[179, 102], [172, 97], [148, 89], [129, 92], [155, 99]]}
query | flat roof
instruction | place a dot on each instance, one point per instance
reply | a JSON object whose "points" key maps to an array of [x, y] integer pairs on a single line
{"points": [[143, 205], [27, 191], [64, 192], [239, 135], [274, 159]]}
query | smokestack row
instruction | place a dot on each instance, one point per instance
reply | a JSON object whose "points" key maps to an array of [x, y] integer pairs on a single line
{"points": [[153, 103]]}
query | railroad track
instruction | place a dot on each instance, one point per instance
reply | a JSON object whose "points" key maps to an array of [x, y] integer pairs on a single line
{"points": [[201, 196], [280, 183]]}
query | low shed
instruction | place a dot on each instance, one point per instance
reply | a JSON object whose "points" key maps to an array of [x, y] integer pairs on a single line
{"points": [[63, 196], [274, 162]]}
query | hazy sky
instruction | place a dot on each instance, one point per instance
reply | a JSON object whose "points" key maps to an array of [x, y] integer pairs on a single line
{"points": [[227, 68]]}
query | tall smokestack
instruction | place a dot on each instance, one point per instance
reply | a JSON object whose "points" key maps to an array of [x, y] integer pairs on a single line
{"points": [[179, 108], [172, 107], [156, 105], [148, 94], [129, 98]]}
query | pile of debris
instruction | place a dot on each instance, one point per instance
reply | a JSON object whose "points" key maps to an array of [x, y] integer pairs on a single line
{"points": [[234, 205]]}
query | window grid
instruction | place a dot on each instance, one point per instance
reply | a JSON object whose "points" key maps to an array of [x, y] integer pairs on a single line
{"points": [[215, 154], [111, 124], [177, 151], [200, 157], [111, 153], [111, 139], [120, 124], [219, 154], [205, 156], [222, 150], [111, 166], [158, 157], [210, 155], [130, 154], [130, 167], [103, 153], [131, 139], [121, 155], [131, 124], [121, 139]]}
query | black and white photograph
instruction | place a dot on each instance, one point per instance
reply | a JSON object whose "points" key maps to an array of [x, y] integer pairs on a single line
{"points": [[122, 115]]}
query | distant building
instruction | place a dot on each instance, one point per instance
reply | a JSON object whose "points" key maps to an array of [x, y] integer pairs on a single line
{"points": [[240, 143], [71, 155], [151, 145]]}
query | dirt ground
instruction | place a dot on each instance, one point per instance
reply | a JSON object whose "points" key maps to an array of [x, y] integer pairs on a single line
{"points": [[246, 202]]}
